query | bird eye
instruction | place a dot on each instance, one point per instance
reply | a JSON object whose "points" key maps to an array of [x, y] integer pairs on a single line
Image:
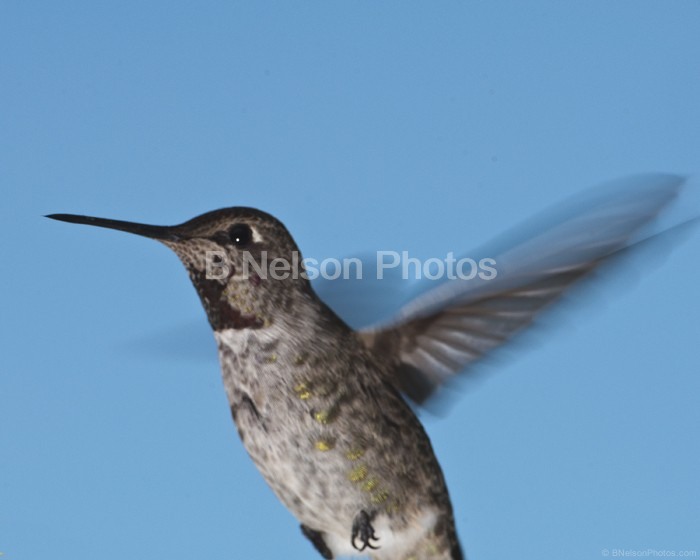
{"points": [[241, 235]]}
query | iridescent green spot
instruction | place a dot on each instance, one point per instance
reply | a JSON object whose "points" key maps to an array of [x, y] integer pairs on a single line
{"points": [[358, 474], [302, 391], [324, 445], [323, 417], [355, 454], [370, 485], [379, 497]]}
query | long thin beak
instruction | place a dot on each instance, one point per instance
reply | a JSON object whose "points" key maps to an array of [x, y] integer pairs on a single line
{"points": [[163, 233]]}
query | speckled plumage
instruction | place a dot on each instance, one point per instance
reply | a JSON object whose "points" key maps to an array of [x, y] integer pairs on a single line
{"points": [[330, 435]]}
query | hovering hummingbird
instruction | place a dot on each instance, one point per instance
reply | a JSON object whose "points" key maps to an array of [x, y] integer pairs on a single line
{"points": [[323, 410]]}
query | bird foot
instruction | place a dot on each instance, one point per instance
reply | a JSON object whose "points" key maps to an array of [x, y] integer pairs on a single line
{"points": [[362, 529]]}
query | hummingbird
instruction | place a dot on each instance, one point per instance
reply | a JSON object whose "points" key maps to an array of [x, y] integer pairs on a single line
{"points": [[328, 413]]}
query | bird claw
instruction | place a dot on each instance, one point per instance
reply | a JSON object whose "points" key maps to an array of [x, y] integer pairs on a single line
{"points": [[362, 529]]}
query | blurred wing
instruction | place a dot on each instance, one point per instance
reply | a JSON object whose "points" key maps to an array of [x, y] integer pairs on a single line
{"points": [[448, 328], [362, 298]]}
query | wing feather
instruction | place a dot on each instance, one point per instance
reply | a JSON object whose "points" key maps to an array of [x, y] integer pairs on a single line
{"points": [[447, 329]]}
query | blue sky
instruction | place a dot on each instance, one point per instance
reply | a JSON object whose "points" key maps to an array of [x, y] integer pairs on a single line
{"points": [[420, 126]]}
